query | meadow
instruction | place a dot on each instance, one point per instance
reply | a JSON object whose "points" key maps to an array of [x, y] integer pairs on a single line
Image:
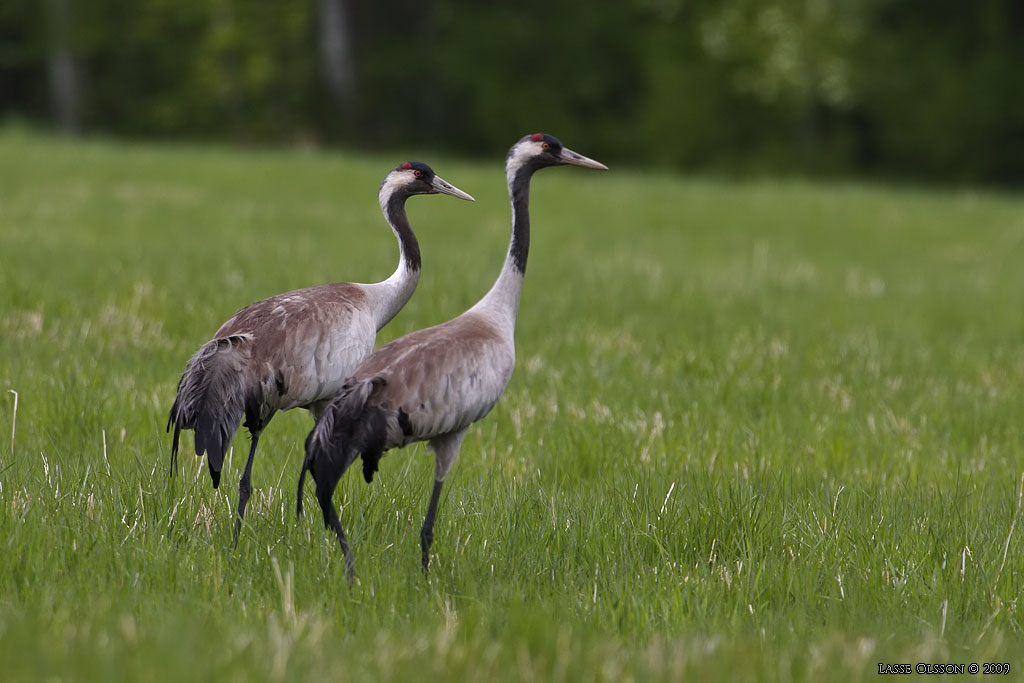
{"points": [[764, 430]]}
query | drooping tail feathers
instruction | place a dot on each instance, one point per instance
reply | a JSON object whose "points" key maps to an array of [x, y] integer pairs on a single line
{"points": [[349, 427], [212, 397]]}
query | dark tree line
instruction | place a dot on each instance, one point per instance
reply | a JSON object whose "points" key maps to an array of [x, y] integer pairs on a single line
{"points": [[909, 88]]}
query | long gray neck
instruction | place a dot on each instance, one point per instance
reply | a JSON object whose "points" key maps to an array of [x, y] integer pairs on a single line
{"points": [[502, 301], [388, 297]]}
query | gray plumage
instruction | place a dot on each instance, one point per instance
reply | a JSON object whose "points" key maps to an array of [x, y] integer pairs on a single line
{"points": [[291, 350], [432, 384], [294, 350]]}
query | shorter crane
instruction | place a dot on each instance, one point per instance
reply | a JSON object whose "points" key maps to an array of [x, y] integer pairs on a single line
{"points": [[294, 350]]}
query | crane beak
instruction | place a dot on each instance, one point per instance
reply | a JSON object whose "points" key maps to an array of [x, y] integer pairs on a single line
{"points": [[570, 157], [444, 187]]}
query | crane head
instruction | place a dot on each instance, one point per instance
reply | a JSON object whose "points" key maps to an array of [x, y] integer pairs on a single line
{"points": [[540, 150], [415, 177]]}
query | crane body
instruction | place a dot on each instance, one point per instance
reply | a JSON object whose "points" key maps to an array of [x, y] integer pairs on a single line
{"points": [[294, 350]]}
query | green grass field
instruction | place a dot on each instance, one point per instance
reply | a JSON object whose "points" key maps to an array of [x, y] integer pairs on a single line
{"points": [[758, 431]]}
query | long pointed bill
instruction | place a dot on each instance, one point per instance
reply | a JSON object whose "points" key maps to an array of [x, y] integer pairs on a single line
{"points": [[444, 187], [570, 157]]}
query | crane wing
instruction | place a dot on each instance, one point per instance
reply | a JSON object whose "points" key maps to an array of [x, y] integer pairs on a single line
{"points": [[441, 379], [308, 340]]}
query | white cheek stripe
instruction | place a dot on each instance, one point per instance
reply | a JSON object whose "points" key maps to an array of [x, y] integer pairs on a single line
{"points": [[391, 184], [521, 153]]}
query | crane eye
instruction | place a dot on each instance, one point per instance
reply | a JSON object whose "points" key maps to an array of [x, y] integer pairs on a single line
{"points": [[418, 174], [545, 146]]}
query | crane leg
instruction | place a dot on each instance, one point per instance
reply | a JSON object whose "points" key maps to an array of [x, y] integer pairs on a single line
{"points": [[316, 410], [427, 532], [446, 451], [324, 494], [245, 487], [298, 493]]}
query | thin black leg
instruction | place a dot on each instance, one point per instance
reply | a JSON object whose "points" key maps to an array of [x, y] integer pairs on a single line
{"points": [[245, 487], [325, 495], [298, 494], [302, 480], [307, 462], [427, 532], [174, 448]]}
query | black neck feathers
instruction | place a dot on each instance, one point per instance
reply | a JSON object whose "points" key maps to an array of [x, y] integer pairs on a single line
{"points": [[395, 210], [519, 188]]}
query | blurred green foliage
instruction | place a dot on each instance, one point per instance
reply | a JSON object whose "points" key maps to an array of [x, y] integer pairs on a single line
{"points": [[902, 88]]}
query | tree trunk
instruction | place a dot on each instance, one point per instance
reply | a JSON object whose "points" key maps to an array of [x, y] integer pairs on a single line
{"points": [[64, 77], [336, 61]]}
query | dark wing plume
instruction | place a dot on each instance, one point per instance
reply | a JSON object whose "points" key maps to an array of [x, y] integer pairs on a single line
{"points": [[211, 399]]}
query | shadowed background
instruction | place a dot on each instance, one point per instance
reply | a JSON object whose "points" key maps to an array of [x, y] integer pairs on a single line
{"points": [[926, 90]]}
